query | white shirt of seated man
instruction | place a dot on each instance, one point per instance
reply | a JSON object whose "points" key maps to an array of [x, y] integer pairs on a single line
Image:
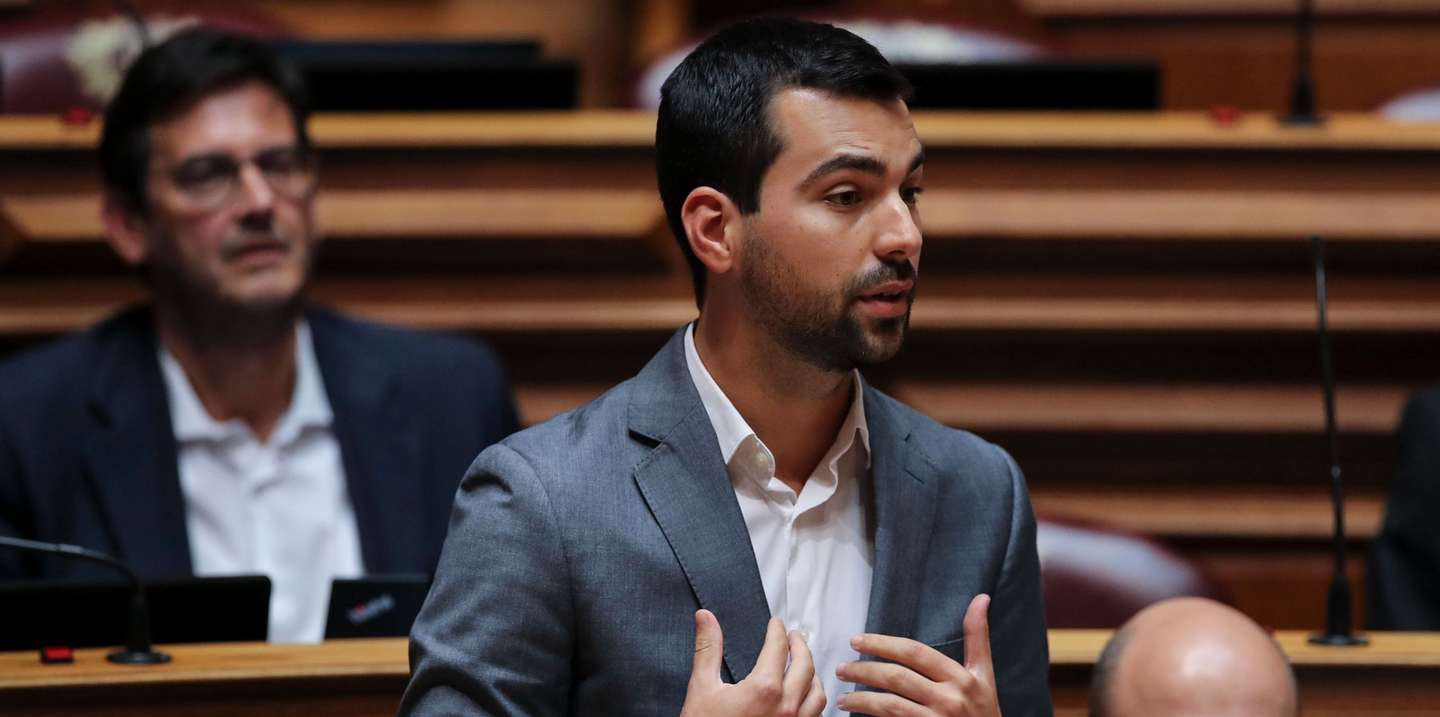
{"points": [[278, 508]]}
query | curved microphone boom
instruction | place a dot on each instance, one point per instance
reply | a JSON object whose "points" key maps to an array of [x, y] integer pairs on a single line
{"points": [[1338, 618], [137, 642]]}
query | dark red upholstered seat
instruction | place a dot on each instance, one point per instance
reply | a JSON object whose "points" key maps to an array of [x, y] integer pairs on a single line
{"points": [[1097, 577]]}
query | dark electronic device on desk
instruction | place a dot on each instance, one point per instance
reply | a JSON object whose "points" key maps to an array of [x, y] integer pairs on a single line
{"points": [[1041, 85], [37, 613], [453, 76], [375, 605]]}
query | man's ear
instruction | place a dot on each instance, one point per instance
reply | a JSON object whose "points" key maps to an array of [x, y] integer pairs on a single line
{"points": [[125, 230], [712, 225]]}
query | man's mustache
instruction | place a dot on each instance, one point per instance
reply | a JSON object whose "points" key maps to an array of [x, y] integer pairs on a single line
{"points": [[895, 270], [237, 245]]}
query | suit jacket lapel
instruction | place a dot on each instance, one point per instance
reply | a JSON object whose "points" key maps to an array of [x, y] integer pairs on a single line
{"points": [[684, 482], [380, 446], [905, 484], [131, 450]]}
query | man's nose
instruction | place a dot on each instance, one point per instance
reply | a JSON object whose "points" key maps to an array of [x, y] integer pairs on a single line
{"points": [[256, 194], [899, 232]]}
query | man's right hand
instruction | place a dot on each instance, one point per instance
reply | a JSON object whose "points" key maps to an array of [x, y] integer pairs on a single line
{"points": [[770, 689]]}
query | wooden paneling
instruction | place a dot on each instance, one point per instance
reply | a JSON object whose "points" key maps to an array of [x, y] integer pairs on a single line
{"points": [[1392, 676], [1248, 61], [1123, 301], [596, 34], [1212, 52], [475, 214], [344, 677], [1151, 8]]}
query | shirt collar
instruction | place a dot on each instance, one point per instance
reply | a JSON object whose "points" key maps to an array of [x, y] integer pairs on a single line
{"points": [[730, 427], [309, 406]]}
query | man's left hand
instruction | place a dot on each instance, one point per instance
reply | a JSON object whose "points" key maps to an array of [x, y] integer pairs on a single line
{"points": [[919, 679]]}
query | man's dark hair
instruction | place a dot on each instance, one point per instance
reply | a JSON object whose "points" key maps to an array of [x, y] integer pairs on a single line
{"points": [[713, 128], [169, 78]]}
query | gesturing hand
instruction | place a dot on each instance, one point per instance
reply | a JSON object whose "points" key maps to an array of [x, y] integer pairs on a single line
{"points": [[922, 681], [770, 689]]}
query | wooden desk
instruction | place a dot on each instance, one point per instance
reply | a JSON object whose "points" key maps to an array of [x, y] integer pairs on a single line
{"points": [[1393, 676], [343, 677]]}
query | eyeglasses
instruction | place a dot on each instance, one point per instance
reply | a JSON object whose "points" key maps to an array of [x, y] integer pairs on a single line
{"points": [[210, 181]]}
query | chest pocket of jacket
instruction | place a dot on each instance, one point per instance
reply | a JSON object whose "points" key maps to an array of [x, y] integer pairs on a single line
{"points": [[953, 649]]}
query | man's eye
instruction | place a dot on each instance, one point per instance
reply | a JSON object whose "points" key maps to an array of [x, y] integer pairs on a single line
{"points": [[280, 162], [205, 170], [911, 195], [847, 198]]}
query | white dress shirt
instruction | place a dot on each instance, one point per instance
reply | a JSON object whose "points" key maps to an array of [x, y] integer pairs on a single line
{"points": [[277, 507], [813, 550]]}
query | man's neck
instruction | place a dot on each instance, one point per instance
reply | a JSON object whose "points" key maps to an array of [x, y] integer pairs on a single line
{"points": [[794, 407], [248, 374]]}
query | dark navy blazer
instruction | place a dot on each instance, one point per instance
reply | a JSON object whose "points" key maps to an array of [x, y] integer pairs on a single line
{"points": [[88, 455], [1403, 575]]}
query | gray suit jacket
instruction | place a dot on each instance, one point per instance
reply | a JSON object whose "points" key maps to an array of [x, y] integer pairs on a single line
{"points": [[580, 549]]}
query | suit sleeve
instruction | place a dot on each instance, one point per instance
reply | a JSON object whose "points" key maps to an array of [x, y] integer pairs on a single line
{"points": [[1404, 569], [1018, 640], [494, 634]]}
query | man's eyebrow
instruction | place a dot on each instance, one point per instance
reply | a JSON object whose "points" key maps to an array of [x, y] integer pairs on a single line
{"points": [[202, 157], [856, 162], [917, 161]]}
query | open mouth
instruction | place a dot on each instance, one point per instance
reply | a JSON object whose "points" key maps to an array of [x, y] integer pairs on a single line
{"points": [[889, 299], [258, 250], [885, 296], [889, 291]]}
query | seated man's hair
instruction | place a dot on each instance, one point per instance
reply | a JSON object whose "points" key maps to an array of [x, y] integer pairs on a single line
{"points": [[713, 127], [1102, 677], [170, 77]]}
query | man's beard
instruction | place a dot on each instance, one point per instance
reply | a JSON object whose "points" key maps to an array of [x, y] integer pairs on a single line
{"points": [[814, 327], [212, 318]]}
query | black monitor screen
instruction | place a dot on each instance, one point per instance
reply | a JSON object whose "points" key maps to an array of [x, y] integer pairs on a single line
{"points": [[431, 76], [1047, 85]]}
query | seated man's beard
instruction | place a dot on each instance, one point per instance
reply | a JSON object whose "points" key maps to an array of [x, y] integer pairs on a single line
{"points": [[213, 318]]}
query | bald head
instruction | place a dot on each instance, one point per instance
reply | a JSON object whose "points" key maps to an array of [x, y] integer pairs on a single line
{"points": [[1192, 657]]}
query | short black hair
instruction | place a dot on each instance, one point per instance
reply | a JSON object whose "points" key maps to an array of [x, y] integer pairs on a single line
{"points": [[170, 77], [713, 127]]}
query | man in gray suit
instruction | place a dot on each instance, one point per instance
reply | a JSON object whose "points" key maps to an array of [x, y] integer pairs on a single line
{"points": [[748, 478]]}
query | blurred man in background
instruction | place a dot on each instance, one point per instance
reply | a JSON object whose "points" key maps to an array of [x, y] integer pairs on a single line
{"points": [[1403, 575], [226, 427]]}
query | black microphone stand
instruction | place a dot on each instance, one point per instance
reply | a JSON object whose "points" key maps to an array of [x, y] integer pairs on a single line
{"points": [[1302, 91], [137, 642], [1337, 606]]}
